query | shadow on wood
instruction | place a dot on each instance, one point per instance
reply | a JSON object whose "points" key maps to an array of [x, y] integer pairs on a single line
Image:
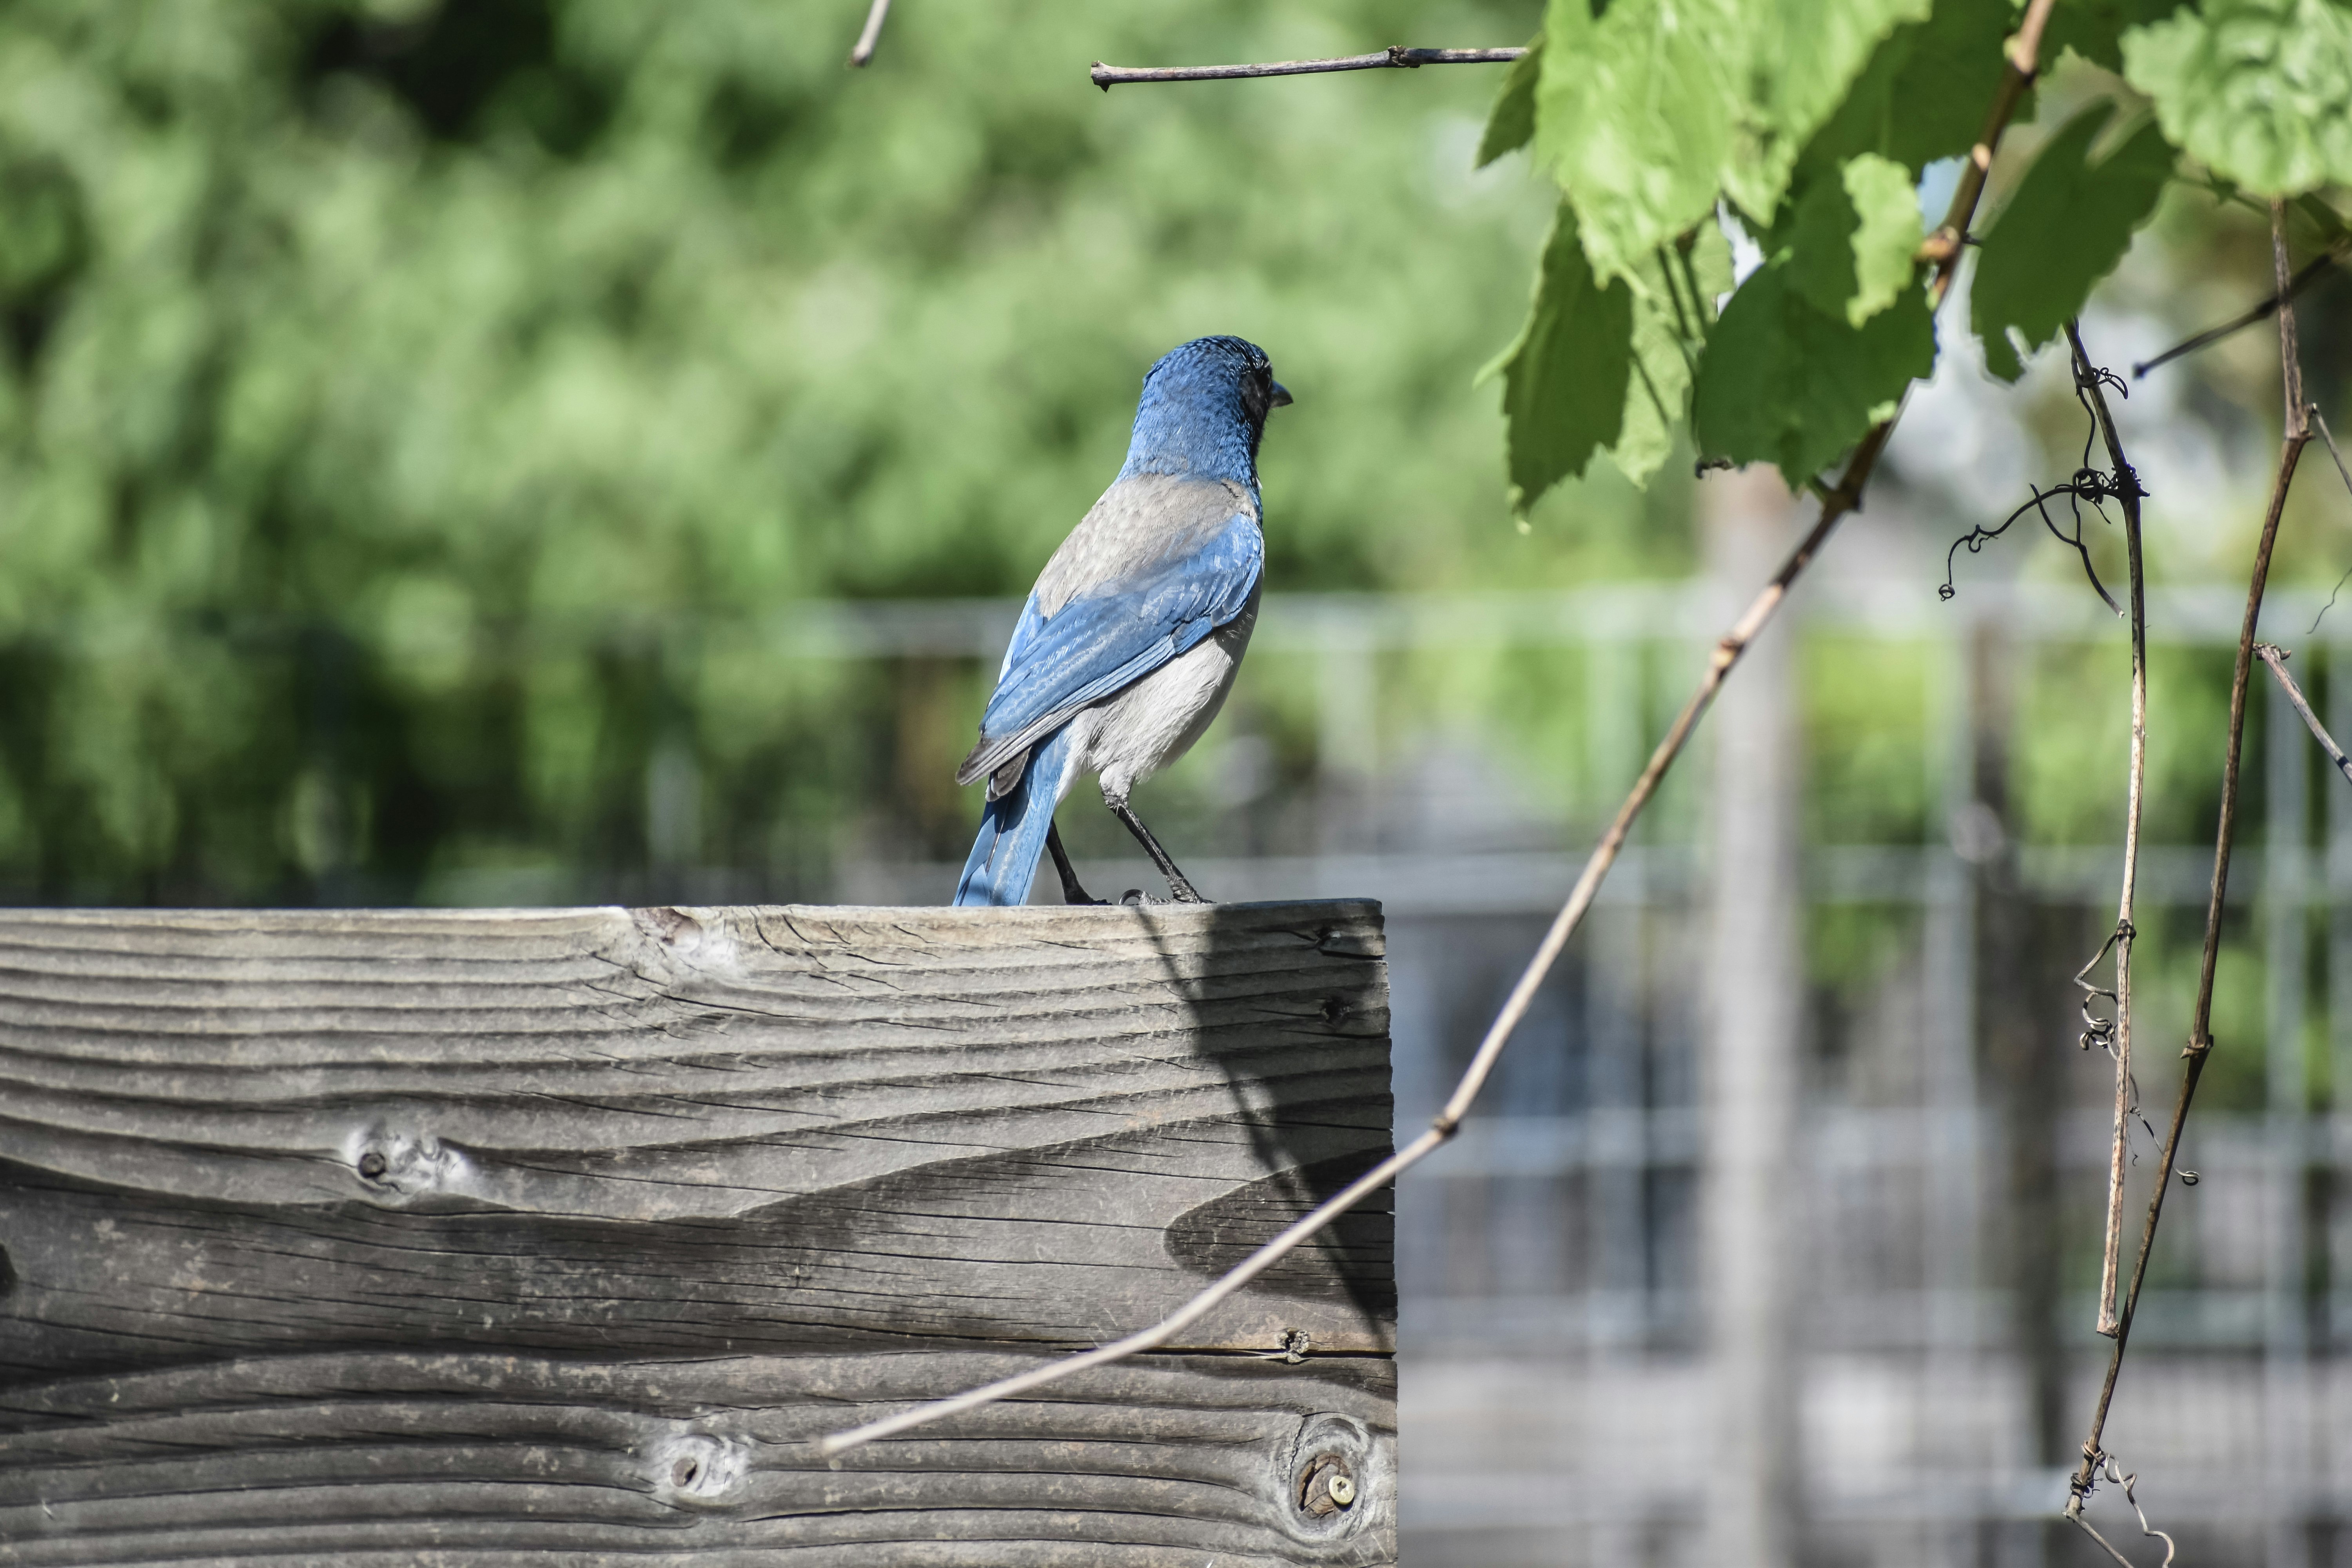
{"points": [[365, 1234]]}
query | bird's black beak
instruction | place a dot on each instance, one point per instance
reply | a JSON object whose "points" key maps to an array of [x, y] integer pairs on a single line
{"points": [[1281, 395]]}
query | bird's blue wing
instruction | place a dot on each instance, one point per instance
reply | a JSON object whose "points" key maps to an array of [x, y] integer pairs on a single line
{"points": [[1114, 631]]}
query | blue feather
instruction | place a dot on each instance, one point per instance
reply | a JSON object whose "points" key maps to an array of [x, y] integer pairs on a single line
{"points": [[1112, 634], [1013, 829]]}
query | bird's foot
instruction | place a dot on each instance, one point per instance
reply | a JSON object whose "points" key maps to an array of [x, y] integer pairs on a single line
{"points": [[1136, 898]]}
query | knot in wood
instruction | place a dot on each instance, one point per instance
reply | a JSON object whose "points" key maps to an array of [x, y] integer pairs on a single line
{"points": [[403, 1163], [1336, 1478], [1326, 1486], [697, 1470]]}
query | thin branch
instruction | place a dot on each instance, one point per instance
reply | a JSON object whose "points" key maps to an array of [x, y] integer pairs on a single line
{"points": [[2312, 272], [2090, 385], [863, 50], [2329, 437], [1836, 502], [2277, 658], [1395, 57], [2296, 435], [2346, 474]]}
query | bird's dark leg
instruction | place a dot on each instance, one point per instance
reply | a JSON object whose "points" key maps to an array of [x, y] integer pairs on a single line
{"points": [[1177, 883], [1071, 892]]}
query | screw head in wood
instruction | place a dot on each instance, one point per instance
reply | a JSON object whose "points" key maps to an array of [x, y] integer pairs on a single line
{"points": [[1326, 1486]]}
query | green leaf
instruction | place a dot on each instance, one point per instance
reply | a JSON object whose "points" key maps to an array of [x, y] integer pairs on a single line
{"points": [[2095, 28], [1512, 123], [1886, 233], [1665, 339], [1564, 376], [2066, 227], [1645, 114], [2260, 91], [1782, 382], [1805, 56], [1636, 120], [1923, 95], [1849, 235]]}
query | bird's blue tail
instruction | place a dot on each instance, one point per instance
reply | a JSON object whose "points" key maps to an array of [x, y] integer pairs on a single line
{"points": [[1013, 830]]}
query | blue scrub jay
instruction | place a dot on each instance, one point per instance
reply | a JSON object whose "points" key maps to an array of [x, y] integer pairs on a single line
{"points": [[1130, 641]]}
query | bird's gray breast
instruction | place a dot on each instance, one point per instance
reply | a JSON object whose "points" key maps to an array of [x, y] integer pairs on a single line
{"points": [[1133, 733]]}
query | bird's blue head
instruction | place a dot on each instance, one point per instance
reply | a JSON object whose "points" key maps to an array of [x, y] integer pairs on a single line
{"points": [[1203, 408]]}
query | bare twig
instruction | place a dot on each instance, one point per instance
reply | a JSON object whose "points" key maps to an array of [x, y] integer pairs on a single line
{"points": [[2200, 1039], [2329, 437], [2277, 658], [2312, 272], [1836, 502], [2346, 474], [2090, 385], [1395, 57], [1943, 247], [863, 50]]}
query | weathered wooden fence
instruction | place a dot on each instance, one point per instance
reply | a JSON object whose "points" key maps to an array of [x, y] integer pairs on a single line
{"points": [[560, 1236]]}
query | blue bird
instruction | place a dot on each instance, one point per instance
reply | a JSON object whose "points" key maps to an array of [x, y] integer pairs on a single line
{"points": [[1130, 641]]}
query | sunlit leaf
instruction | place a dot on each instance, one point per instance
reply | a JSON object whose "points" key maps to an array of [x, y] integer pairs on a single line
{"points": [[1671, 317], [1647, 113], [1886, 236], [2260, 91], [2066, 228], [1512, 122], [1850, 237], [2095, 28], [1564, 376]]}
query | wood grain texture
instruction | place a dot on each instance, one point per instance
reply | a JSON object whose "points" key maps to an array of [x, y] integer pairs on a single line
{"points": [[379, 1234]]}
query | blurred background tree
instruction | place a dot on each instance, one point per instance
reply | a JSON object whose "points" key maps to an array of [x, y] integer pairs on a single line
{"points": [[411, 412]]}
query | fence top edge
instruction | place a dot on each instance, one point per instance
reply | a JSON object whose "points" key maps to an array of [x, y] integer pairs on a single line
{"points": [[1110, 917]]}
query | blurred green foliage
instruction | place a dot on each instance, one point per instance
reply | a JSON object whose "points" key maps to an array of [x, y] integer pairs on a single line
{"points": [[415, 420], [407, 409]]}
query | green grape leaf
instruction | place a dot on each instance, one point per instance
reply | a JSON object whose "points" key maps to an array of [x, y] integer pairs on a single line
{"points": [[1647, 113], [1923, 95], [2095, 28], [2259, 91], [1636, 120], [1512, 123], [1782, 382], [1564, 376], [2066, 228], [1666, 337], [1804, 55], [1886, 233], [1849, 235]]}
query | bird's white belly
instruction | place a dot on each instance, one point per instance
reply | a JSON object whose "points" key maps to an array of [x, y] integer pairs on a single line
{"points": [[1129, 736]]}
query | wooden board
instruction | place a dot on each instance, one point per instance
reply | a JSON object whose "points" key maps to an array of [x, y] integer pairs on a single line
{"points": [[562, 1234]]}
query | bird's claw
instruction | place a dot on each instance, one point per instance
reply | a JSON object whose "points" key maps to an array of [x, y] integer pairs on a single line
{"points": [[1136, 898]]}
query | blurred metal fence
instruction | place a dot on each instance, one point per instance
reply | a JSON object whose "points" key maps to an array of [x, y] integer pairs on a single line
{"points": [[1557, 1374]]}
